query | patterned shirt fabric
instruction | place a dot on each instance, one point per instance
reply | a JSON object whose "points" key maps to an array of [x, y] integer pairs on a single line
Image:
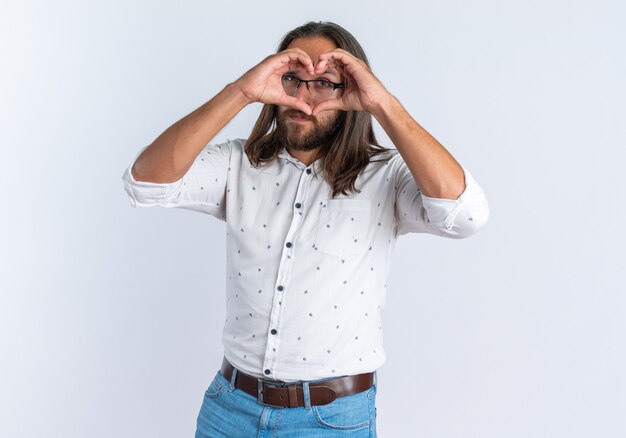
{"points": [[306, 274]]}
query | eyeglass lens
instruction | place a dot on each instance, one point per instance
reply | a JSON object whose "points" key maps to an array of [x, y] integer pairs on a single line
{"points": [[319, 88]]}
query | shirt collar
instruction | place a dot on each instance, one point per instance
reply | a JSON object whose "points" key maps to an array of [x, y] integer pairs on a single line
{"points": [[284, 154]]}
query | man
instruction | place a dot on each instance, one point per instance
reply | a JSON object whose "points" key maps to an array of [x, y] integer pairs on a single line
{"points": [[313, 206]]}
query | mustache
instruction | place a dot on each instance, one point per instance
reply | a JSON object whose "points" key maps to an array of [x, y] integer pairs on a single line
{"points": [[294, 112]]}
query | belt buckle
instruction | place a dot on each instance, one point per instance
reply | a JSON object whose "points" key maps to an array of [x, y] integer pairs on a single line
{"points": [[260, 383]]}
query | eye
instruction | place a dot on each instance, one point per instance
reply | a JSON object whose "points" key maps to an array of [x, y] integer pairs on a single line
{"points": [[289, 78], [323, 84]]}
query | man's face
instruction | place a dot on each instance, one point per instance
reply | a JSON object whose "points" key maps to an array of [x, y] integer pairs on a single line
{"points": [[296, 129]]}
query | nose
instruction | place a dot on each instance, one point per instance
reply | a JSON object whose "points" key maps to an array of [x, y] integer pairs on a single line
{"points": [[303, 93]]}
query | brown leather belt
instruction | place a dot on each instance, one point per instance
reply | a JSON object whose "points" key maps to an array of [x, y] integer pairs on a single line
{"points": [[286, 395]]}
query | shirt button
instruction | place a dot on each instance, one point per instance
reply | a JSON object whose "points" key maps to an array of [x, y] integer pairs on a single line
{"points": [[267, 372], [273, 331], [288, 244], [280, 288], [308, 171], [298, 205]]}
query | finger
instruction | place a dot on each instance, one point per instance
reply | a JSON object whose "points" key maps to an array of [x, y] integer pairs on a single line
{"points": [[295, 57], [339, 57], [298, 104], [282, 60], [340, 52], [326, 105], [327, 64], [332, 68]]}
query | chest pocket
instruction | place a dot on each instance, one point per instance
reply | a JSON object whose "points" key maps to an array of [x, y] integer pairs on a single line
{"points": [[258, 199], [343, 226]]}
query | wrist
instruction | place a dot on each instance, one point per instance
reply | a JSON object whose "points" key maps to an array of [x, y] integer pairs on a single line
{"points": [[385, 106], [236, 94]]}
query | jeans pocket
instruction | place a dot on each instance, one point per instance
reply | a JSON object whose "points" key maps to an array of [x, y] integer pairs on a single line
{"points": [[218, 386], [345, 413]]}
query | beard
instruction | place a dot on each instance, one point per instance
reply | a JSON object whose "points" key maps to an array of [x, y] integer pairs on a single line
{"points": [[309, 136]]}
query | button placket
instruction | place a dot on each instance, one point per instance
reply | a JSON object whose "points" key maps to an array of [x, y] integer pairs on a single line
{"points": [[282, 277]]}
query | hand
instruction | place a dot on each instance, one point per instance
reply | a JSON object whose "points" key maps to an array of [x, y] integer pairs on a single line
{"points": [[363, 92], [263, 83]]}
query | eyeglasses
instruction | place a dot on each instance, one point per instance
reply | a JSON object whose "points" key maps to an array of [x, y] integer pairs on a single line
{"points": [[320, 88]]}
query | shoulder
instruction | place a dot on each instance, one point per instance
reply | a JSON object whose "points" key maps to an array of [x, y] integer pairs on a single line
{"points": [[383, 161], [237, 143], [226, 149]]}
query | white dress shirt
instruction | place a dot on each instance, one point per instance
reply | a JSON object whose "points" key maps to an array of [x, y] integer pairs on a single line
{"points": [[306, 275]]}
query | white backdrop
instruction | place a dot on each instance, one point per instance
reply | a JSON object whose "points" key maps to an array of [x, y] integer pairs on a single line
{"points": [[111, 317]]}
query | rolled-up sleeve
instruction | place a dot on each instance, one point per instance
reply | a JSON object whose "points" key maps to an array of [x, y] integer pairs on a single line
{"points": [[201, 189], [453, 218]]}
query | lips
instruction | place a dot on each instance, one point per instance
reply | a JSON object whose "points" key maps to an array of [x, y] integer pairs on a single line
{"points": [[299, 117]]}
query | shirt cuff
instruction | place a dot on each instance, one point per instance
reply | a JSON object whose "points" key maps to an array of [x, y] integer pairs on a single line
{"points": [[145, 193], [459, 217]]}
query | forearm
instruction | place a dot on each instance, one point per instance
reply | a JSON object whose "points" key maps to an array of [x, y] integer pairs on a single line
{"points": [[436, 172], [171, 155]]}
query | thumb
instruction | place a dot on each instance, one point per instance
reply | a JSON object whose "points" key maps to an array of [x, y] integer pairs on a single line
{"points": [[298, 104], [331, 104]]}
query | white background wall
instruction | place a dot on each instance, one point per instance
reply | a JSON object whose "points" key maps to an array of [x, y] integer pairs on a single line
{"points": [[110, 317]]}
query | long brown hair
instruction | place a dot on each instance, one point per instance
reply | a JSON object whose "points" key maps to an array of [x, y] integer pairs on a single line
{"points": [[354, 145]]}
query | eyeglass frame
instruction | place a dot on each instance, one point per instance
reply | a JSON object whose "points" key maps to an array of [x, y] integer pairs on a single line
{"points": [[340, 85]]}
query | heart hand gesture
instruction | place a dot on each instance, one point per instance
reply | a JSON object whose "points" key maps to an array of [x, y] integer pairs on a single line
{"points": [[263, 83], [363, 91]]}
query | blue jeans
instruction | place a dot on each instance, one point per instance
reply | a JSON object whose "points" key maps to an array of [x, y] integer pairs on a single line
{"points": [[229, 412]]}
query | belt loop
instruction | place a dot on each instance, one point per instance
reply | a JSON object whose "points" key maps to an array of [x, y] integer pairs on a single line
{"points": [[307, 395], [376, 379], [232, 379]]}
